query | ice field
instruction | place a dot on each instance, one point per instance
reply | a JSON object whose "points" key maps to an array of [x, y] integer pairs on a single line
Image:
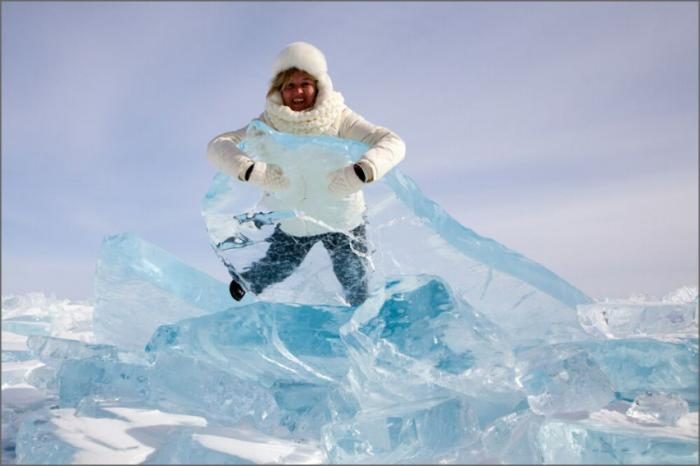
{"points": [[465, 352]]}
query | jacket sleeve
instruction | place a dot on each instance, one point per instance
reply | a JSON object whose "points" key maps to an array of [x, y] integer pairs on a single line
{"points": [[387, 149], [224, 154]]}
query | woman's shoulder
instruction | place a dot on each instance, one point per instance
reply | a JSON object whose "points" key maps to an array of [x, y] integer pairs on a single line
{"points": [[348, 116], [345, 116], [349, 119]]}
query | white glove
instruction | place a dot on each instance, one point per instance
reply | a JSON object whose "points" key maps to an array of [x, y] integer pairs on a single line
{"points": [[344, 181], [269, 177]]}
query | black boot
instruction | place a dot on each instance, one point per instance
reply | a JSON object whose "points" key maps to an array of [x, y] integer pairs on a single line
{"points": [[236, 289]]}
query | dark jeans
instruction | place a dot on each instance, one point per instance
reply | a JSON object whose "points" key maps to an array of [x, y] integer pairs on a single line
{"points": [[348, 252]]}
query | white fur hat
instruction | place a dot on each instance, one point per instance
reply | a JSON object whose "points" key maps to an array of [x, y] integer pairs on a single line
{"points": [[301, 55], [306, 57]]}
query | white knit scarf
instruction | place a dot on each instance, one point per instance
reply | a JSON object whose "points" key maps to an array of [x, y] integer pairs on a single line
{"points": [[316, 120]]}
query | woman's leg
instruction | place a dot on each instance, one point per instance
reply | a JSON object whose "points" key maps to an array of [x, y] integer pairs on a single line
{"points": [[285, 254], [348, 253]]}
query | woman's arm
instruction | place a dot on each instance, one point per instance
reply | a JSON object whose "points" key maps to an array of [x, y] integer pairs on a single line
{"points": [[224, 154], [387, 149]]}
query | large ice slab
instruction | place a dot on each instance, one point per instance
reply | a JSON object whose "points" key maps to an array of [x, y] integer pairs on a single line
{"points": [[409, 235]]}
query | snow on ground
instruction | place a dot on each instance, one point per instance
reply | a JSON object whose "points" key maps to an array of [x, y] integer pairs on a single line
{"points": [[133, 434]]}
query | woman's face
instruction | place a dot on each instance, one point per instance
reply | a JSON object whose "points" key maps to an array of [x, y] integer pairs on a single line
{"points": [[299, 91]]}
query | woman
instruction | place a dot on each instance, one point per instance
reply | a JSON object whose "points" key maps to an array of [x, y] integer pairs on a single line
{"points": [[301, 100]]}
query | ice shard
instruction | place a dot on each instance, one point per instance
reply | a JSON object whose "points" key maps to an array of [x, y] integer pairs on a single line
{"points": [[567, 382], [606, 439], [664, 320], [658, 408], [512, 439], [139, 286]]}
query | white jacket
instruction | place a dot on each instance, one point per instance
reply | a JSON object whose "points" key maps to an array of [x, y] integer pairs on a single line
{"points": [[386, 150]]}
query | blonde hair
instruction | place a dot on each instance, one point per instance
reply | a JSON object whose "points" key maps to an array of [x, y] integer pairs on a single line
{"points": [[282, 77]]}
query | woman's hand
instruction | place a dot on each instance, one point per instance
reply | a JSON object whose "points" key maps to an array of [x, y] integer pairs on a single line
{"points": [[345, 181], [268, 176]]}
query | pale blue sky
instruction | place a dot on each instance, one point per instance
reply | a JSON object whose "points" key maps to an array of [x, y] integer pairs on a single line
{"points": [[566, 131]]}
